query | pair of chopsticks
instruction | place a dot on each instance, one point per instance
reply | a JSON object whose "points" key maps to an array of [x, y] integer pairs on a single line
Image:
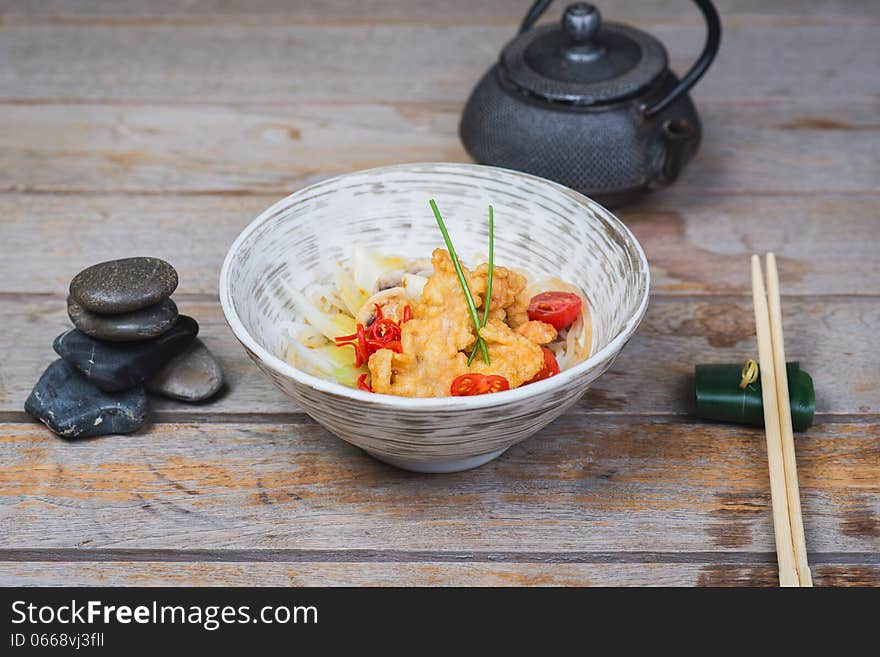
{"points": [[788, 523]]}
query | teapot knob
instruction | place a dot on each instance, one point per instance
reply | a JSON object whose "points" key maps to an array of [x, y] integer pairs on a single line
{"points": [[581, 22]]}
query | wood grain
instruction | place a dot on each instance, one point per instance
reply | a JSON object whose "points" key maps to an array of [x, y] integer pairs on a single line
{"points": [[138, 573], [578, 486], [700, 245], [696, 245], [381, 63], [826, 335], [780, 147], [163, 127], [214, 149], [323, 12]]}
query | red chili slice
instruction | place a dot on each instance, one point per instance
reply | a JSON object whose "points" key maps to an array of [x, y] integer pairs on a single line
{"points": [[362, 383], [359, 341], [362, 354], [382, 333], [407, 315], [383, 330], [394, 345], [551, 367], [350, 340], [559, 309]]}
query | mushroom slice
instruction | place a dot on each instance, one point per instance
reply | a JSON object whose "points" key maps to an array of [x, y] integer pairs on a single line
{"points": [[392, 302], [414, 285], [390, 280], [395, 278]]}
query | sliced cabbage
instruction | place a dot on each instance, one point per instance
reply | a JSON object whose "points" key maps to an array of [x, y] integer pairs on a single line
{"points": [[327, 299], [368, 265], [331, 325], [352, 296], [306, 334], [328, 361]]}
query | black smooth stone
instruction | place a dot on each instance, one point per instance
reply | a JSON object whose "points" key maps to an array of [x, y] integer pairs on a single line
{"points": [[191, 376], [120, 286], [120, 365], [73, 407], [142, 324]]}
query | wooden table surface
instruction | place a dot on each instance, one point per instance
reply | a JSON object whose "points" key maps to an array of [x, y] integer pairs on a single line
{"points": [[162, 128]]}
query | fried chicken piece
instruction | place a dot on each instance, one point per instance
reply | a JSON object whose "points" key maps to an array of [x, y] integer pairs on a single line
{"points": [[441, 332], [511, 355], [517, 313], [537, 332], [440, 329], [507, 288], [380, 371]]}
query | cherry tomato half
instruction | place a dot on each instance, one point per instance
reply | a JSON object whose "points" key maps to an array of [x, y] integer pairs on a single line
{"points": [[497, 383], [551, 367], [559, 309], [469, 384], [478, 384]]}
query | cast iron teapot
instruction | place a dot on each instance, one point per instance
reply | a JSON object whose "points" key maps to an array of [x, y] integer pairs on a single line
{"points": [[588, 104]]}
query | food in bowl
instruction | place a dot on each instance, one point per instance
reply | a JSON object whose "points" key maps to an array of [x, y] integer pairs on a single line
{"points": [[543, 228], [420, 327]]}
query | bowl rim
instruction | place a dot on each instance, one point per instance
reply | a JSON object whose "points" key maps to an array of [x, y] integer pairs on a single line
{"points": [[560, 380]]}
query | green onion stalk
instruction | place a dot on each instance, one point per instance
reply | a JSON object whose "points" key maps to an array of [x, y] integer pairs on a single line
{"points": [[489, 281], [481, 343]]}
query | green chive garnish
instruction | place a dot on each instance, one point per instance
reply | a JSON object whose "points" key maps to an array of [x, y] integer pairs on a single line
{"points": [[489, 281], [461, 279]]}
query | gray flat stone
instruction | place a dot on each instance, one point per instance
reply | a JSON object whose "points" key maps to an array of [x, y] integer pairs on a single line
{"points": [[116, 366], [120, 286], [74, 407], [191, 376], [143, 324]]}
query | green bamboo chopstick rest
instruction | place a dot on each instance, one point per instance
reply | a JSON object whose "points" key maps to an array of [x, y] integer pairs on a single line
{"points": [[719, 395]]}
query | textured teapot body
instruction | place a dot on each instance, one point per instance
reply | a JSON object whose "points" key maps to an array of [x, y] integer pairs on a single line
{"points": [[588, 104], [611, 153]]}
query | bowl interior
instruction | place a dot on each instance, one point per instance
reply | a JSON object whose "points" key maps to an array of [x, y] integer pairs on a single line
{"points": [[541, 228]]}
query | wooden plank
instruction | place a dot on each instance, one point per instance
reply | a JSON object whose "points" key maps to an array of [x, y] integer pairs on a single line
{"points": [[700, 245], [579, 486], [127, 12], [135, 573], [213, 149], [608, 489], [381, 63], [806, 147], [832, 338], [695, 245]]}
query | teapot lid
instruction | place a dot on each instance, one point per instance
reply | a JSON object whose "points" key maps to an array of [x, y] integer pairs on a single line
{"points": [[583, 61]]}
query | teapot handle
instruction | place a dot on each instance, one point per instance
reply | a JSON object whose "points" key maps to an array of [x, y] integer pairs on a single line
{"points": [[534, 13], [713, 39]]}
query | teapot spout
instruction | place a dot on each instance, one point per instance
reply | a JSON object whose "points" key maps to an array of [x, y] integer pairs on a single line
{"points": [[679, 141]]}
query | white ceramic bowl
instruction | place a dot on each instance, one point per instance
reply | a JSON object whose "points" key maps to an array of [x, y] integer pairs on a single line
{"points": [[540, 227]]}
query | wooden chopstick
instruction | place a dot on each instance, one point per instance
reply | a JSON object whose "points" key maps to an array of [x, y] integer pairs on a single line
{"points": [[778, 496], [786, 434]]}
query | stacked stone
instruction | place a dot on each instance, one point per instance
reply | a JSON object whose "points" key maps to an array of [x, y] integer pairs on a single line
{"points": [[128, 339]]}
